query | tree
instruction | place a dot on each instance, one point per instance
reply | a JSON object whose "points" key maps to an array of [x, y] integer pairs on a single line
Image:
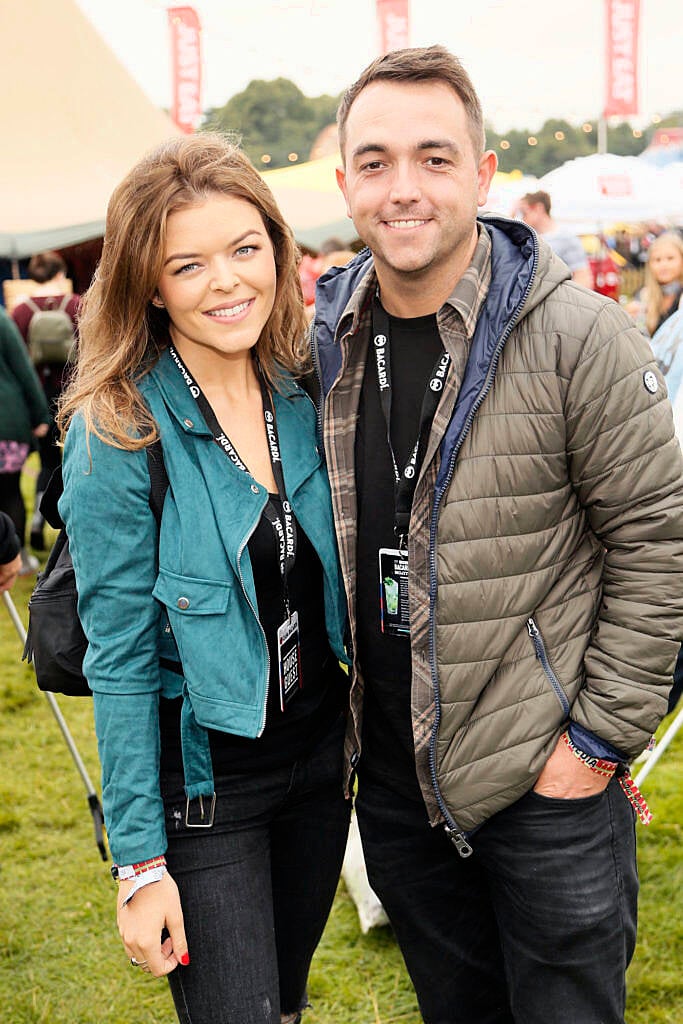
{"points": [[274, 118]]}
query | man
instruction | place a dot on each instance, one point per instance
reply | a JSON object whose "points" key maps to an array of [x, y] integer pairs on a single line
{"points": [[534, 209], [508, 498]]}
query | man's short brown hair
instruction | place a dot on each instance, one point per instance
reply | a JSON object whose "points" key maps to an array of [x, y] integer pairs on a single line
{"points": [[534, 198], [418, 64]]}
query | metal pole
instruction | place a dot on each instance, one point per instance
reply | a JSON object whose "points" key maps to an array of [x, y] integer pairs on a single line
{"points": [[660, 747], [93, 799], [602, 135]]}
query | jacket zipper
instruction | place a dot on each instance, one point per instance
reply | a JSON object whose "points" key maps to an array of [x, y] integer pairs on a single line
{"points": [[455, 834], [256, 616], [321, 398], [542, 655]]}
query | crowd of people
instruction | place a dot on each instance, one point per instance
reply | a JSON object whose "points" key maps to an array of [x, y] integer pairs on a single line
{"points": [[426, 553]]}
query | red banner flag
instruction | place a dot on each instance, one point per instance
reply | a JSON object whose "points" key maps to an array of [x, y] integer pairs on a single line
{"points": [[186, 110], [622, 57], [394, 24]]}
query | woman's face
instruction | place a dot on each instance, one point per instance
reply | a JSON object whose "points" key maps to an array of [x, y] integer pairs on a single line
{"points": [[666, 263], [219, 278]]}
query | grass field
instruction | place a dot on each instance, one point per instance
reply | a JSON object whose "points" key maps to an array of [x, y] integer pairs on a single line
{"points": [[61, 961]]}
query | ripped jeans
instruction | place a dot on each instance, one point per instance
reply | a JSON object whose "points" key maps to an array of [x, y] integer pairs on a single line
{"points": [[256, 889]]}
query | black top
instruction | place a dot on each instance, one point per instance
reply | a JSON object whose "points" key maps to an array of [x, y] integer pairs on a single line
{"points": [[384, 659], [289, 734]]}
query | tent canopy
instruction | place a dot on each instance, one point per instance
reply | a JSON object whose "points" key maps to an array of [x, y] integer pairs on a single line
{"points": [[73, 123], [311, 202]]}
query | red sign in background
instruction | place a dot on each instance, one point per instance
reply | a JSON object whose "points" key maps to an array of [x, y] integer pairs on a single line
{"points": [[394, 24], [621, 95], [186, 57]]}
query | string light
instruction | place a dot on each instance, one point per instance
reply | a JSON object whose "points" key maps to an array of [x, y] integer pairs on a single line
{"points": [[504, 144], [266, 158], [293, 157], [559, 136], [587, 127], [532, 140]]}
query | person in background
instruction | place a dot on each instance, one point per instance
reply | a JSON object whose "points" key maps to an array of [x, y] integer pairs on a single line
{"points": [[24, 415], [662, 293], [215, 640], [48, 270], [508, 492], [10, 553], [534, 210]]}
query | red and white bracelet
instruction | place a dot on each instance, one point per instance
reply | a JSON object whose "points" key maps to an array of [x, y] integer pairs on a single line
{"points": [[122, 873], [608, 769]]}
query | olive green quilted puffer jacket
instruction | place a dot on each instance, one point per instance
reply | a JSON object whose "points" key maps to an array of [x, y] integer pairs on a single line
{"points": [[546, 536]]}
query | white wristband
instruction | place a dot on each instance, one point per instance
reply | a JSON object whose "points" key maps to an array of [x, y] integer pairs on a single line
{"points": [[146, 878]]}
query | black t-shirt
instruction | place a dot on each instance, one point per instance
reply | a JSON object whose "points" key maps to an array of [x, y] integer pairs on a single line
{"points": [[289, 734], [415, 346]]}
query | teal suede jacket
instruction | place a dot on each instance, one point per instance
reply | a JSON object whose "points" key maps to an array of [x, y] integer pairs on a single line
{"points": [[183, 591]]}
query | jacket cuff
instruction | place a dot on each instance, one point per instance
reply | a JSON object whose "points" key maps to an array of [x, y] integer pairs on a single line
{"points": [[591, 744]]}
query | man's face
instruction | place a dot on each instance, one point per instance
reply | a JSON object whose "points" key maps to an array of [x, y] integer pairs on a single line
{"points": [[532, 214], [412, 180]]}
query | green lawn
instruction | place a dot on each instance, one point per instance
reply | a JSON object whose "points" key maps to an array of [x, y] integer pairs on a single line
{"points": [[61, 961]]}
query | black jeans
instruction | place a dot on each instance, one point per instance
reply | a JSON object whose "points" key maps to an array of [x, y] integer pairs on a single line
{"points": [[256, 888], [538, 925]]}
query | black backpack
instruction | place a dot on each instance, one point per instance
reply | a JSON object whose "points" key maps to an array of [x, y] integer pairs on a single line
{"points": [[55, 641]]}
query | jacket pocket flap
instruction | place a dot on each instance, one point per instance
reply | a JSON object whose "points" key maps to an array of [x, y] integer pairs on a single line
{"points": [[191, 596]]}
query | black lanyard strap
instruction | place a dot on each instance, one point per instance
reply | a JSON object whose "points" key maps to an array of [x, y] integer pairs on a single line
{"points": [[405, 481], [285, 533]]}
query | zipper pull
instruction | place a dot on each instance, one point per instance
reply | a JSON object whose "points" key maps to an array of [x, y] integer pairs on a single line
{"points": [[459, 842], [532, 628]]}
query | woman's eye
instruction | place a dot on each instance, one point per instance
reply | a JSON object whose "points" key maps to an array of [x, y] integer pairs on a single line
{"points": [[245, 250], [185, 267]]}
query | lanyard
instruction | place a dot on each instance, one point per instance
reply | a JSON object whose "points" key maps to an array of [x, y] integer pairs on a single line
{"points": [[285, 533], [406, 481]]}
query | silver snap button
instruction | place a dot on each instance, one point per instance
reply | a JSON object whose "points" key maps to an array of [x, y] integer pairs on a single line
{"points": [[254, 489], [183, 603], [650, 382], [188, 423]]}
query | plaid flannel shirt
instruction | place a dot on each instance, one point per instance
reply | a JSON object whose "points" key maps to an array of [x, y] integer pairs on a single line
{"points": [[456, 321]]}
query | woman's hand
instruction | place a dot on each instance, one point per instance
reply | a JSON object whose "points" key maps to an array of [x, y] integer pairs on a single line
{"points": [[41, 430], [154, 907]]}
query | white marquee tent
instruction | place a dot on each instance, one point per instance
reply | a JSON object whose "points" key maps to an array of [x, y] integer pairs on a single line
{"points": [[73, 123]]}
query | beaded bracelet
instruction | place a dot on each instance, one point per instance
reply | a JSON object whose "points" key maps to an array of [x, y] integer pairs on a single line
{"points": [[608, 769]]}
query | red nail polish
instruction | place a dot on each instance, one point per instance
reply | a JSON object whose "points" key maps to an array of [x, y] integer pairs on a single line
{"points": [[185, 959]]}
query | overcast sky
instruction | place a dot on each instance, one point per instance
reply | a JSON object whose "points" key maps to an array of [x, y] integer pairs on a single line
{"points": [[529, 59]]}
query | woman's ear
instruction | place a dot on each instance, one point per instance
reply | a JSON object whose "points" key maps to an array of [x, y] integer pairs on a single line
{"points": [[158, 301]]}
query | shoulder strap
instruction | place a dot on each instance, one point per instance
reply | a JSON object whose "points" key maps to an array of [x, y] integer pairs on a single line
{"points": [[158, 478], [64, 303], [32, 305]]}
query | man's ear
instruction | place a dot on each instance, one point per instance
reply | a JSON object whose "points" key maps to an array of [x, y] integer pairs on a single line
{"points": [[341, 181], [488, 165]]}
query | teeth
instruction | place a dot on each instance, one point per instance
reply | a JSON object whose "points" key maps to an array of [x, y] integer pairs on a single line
{"points": [[227, 314], [405, 223]]}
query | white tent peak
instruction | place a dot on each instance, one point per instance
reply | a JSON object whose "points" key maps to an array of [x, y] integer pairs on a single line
{"points": [[74, 122]]}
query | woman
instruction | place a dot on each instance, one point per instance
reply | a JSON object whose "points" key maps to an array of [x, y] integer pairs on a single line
{"points": [[24, 416], [52, 292], [214, 641], [660, 297]]}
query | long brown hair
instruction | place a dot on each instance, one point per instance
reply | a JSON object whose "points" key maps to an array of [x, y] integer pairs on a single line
{"points": [[654, 296], [121, 333]]}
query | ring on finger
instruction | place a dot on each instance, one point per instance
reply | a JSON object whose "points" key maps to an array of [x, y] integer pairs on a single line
{"points": [[137, 963]]}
